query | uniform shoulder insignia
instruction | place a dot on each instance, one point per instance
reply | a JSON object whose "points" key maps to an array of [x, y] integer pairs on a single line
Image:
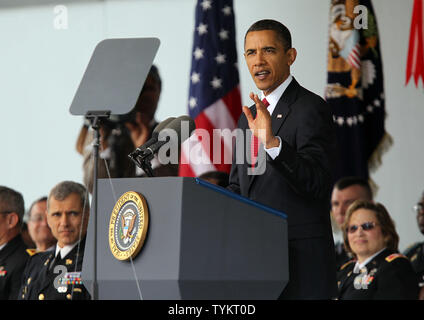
{"points": [[31, 252], [346, 264], [395, 256]]}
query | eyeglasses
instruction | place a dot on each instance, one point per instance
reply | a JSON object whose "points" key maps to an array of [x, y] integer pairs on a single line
{"points": [[419, 207], [367, 226]]}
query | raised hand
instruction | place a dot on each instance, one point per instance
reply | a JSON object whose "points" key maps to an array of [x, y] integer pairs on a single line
{"points": [[261, 125]]}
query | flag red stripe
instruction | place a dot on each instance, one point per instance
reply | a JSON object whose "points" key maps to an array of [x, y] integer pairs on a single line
{"points": [[233, 101]]}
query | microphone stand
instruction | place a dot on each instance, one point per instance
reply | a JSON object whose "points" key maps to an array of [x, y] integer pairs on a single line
{"points": [[95, 118], [142, 161]]}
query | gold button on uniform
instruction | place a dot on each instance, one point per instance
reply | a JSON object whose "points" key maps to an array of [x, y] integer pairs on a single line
{"points": [[68, 296], [41, 296]]}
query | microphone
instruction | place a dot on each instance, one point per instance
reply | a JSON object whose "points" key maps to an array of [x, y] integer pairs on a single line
{"points": [[176, 126], [155, 134]]}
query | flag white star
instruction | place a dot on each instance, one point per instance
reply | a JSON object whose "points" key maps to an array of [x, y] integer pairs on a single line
{"points": [[223, 34], [192, 102], [226, 10], [216, 83], [198, 53], [195, 77], [206, 4], [202, 29], [220, 58]]}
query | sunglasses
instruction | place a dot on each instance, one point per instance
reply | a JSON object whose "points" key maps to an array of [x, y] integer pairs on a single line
{"points": [[367, 226]]}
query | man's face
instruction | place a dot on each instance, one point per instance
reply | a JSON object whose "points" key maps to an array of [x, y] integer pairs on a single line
{"points": [[342, 199], [3, 227], [65, 219], [420, 215], [8, 221], [268, 62], [37, 224]]}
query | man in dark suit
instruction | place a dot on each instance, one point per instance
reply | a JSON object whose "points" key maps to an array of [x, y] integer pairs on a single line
{"points": [[296, 132], [13, 255], [56, 275]]}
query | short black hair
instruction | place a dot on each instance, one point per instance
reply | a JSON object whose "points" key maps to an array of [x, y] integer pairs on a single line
{"points": [[345, 182], [283, 33], [154, 73]]}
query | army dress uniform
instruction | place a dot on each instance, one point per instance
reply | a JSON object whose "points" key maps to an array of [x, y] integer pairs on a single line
{"points": [[388, 276], [47, 277], [13, 258], [341, 255], [415, 254]]}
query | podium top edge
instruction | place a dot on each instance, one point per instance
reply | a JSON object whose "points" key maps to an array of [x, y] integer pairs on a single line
{"points": [[241, 198]]}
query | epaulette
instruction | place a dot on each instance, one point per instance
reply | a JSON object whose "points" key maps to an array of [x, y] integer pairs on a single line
{"points": [[31, 252], [395, 256], [346, 264]]}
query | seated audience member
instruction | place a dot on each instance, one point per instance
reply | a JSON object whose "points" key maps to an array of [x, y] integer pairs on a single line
{"points": [[121, 135], [13, 255], [67, 217], [415, 252], [378, 271], [219, 178], [345, 192], [38, 228]]}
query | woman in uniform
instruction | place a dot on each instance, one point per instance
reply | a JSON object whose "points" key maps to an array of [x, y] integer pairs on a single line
{"points": [[377, 271]]}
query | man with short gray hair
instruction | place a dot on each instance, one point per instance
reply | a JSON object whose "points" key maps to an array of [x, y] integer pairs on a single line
{"points": [[67, 217], [13, 255]]}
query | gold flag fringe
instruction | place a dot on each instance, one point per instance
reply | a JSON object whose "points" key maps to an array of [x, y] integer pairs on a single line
{"points": [[375, 161]]}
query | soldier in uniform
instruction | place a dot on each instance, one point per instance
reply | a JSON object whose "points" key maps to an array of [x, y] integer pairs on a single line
{"points": [[38, 228], [13, 255], [56, 275], [415, 252], [378, 271]]}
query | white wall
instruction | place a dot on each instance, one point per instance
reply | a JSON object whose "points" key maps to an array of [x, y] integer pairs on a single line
{"points": [[41, 67]]}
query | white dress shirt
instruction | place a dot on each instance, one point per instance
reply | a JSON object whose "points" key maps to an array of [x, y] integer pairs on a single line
{"points": [[273, 99], [358, 266], [65, 250]]}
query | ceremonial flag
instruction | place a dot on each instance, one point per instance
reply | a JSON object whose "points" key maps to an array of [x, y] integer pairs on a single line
{"points": [[415, 63], [355, 89], [214, 98]]}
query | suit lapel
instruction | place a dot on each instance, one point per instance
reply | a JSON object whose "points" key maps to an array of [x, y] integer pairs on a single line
{"points": [[280, 113], [282, 109]]}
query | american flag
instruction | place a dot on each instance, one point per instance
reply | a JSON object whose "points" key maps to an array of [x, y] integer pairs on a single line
{"points": [[214, 100]]}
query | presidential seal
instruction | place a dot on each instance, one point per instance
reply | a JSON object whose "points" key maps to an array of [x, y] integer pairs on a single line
{"points": [[128, 226]]}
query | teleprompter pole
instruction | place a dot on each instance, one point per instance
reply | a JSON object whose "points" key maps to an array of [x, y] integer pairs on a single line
{"points": [[95, 118]]}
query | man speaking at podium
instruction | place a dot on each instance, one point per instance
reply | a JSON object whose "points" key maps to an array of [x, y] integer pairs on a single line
{"points": [[295, 128]]}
